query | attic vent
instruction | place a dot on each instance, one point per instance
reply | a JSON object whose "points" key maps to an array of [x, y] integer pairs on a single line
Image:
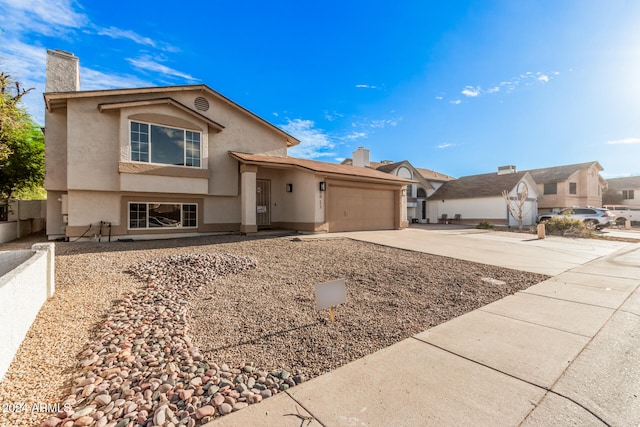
{"points": [[201, 104]]}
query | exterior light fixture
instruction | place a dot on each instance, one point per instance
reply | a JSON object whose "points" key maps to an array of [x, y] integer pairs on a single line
{"points": [[323, 186], [289, 188], [404, 191]]}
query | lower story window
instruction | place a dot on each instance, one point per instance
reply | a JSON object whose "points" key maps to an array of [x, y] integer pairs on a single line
{"points": [[163, 215]]}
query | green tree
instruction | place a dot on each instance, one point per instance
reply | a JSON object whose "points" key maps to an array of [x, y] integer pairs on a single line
{"points": [[21, 142]]}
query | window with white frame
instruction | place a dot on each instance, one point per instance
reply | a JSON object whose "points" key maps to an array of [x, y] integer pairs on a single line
{"points": [[163, 215], [153, 143]]}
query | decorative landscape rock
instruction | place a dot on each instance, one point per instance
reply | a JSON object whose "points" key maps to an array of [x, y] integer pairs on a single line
{"points": [[143, 369]]}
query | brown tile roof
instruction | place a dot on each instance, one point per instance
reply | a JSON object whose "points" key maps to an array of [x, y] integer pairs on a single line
{"points": [[319, 167], [389, 167], [430, 175], [559, 173], [626, 183], [485, 185]]}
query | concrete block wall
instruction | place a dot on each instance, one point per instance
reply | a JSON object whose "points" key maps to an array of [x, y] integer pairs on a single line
{"points": [[27, 280]]}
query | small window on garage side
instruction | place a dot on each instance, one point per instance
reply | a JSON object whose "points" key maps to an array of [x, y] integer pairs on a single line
{"points": [[573, 188], [551, 188]]}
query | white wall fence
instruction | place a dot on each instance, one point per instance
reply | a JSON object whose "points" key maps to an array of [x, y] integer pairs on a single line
{"points": [[23, 217], [27, 280]]}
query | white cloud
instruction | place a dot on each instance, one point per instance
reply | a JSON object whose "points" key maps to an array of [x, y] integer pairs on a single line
{"points": [[117, 33], [445, 145], [624, 141], [47, 17], [355, 135], [528, 78], [96, 80], [149, 65], [363, 86], [471, 91], [379, 124], [332, 115], [439, 98], [314, 142]]}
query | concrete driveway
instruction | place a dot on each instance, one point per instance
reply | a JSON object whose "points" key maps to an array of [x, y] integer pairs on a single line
{"points": [[552, 255]]}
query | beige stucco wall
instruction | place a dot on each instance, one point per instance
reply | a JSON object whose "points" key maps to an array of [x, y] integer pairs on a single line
{"points": [[162, 184], [303, 204], [55, 150], [92, 147], [221, 210], [89, 207]]}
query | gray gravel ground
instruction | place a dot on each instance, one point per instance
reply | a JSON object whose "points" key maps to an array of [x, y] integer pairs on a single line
{"points": [[263, 316]]}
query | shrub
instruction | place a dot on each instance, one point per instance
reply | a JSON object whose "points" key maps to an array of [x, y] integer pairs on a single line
{"points": [[566, 226], [484, 225]]}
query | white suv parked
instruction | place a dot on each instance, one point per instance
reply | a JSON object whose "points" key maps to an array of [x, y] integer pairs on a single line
{"points": [[592, 217]]}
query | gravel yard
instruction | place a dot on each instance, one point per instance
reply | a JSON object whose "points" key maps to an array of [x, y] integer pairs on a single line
{"points": [[259, 318]]}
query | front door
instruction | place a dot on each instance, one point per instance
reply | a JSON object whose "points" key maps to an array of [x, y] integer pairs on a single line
{"points": [[263, 203]]}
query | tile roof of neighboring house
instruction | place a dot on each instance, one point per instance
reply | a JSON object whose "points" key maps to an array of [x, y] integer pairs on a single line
{"points": [[485, 185], [626, 183], [430, 175], [427, 174], [59, 99], [319, 167], [388, 167], [559, 173]]}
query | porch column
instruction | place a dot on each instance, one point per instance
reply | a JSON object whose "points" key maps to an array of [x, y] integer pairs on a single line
{"points": [[248, 198]]}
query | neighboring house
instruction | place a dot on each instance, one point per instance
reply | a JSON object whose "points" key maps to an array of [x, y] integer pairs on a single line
{"points": [[628, 188], [477, 198], [426, 181], [184, 160], [570, 185]]}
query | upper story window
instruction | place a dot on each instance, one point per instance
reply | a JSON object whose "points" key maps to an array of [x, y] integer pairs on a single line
{"points": [[166, 145], [627, 194], [573, 188], [550, 188]]}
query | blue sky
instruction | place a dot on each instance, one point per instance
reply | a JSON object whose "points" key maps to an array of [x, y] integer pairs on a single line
{"points": [[460, 87]]}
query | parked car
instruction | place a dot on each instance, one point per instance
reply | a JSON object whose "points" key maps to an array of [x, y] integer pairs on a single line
{"points": [[592, 217], [624, 213]]}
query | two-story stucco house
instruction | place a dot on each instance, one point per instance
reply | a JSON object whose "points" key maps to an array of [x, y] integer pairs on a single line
{"points": [[627, 188], [185, 160], [569, 185]]}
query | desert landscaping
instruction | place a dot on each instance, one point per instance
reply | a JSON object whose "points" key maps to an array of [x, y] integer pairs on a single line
{"points": [[185, 330]]}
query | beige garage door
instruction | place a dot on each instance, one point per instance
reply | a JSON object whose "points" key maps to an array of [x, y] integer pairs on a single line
{"points": [[356, 209]]}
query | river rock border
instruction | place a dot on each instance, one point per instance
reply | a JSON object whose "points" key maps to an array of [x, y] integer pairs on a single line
{"points": [[142, 369]]}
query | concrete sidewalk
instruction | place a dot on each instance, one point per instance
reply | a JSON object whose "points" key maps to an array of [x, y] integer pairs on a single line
{"points": [[563, 352]]}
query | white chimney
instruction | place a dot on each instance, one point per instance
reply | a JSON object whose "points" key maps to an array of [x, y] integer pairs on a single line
{"points": [[503, 170], [361, 157], [63, 72]]}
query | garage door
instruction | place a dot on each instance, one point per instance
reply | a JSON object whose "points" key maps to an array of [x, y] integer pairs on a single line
{"points": [[355, 209]]}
